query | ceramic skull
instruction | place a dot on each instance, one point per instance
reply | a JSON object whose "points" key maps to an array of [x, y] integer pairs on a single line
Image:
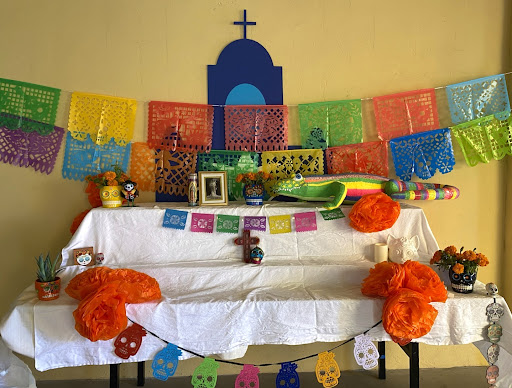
{"points": [[494, 332], [494, 312], [205, 375], [403, 248], [327, 370], [493, 352], [491, 288], [492, 374], [166, 362], [288, 376], [248, 377], [462, 282], [365, 352], [128, 342]]}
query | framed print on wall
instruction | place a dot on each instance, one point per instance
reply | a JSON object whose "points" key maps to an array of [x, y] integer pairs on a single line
{"points": [[213, 188]]}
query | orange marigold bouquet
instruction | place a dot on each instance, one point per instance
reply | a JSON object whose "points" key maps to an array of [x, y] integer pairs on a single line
{"points": [[114, 177], [253, 178], [461, 261]]}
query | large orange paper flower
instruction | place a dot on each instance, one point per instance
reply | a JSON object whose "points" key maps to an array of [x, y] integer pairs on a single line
{"points": [[407, 315], [373, 213], [385, 278], [87, 282], [420, 277]]}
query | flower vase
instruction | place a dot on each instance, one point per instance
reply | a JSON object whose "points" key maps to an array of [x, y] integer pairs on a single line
{"points": [[462, 282], [111, 196], [48, 290], [253, 194]]}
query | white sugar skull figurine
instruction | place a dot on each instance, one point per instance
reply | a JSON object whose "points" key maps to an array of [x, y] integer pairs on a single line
{"points": [[205, 375], [493, 352], [248, 377], [100, 258], [492, 374], [492, 289], [327, 370], [365, 352], [403, 248]]}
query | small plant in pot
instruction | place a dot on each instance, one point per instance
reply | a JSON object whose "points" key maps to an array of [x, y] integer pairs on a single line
{"points": [[47, 283]]}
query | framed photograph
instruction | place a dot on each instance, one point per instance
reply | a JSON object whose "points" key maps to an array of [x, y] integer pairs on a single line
{"points": [[84, 256], [213, 188]]}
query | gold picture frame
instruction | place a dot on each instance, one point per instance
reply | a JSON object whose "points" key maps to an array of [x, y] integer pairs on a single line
{"points": [[213, 188]]}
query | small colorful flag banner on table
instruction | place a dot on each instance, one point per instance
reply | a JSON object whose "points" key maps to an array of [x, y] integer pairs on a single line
{"points": [[255, 223], [330, 124], [305, 222], [369, 157], [423, 154], [478, 98], [103, 118], [30, 149], [175, 219], [179, 126], [333, 214], [29, 107], [227, 224], [405, 113], [202, 222], [280, 224]]}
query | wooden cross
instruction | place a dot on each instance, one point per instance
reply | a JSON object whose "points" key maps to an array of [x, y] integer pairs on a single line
{"points": [[246, 240], [245, 23]]}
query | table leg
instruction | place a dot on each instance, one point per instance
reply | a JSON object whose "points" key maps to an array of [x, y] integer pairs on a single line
{"points": [[413, 351], [140, 374], [382, 359], [114, 375]]}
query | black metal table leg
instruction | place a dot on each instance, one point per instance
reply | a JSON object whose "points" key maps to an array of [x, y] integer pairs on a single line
{"points": [[413, 351], [382, 359], [141, 378], [114, 375]]}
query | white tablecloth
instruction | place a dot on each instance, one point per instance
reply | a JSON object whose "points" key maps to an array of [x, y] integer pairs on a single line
{"points": [[307, 289]]}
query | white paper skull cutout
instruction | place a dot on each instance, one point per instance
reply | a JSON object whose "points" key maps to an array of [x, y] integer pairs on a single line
{"points": [[494, 312], [365, 352], [492, 374], [403, 248], [492, 289], [493, 353], [327, 370]]}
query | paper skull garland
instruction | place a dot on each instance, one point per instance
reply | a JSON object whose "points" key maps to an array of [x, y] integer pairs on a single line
{"points": [[492, 374], [248, 377], [365, 352], [128, 341], [205, 375], [327, 370], [288, 376], [403, 248], [494, 332], [492, 289], [493, 352], [166, 362], [494, 312]]}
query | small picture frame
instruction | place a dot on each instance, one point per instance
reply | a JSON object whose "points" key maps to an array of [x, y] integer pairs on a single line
{"points": [[84, 256], [213, 188]]}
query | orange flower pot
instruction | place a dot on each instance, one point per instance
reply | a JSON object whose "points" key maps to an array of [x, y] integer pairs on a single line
{"points": [[48, 290]]}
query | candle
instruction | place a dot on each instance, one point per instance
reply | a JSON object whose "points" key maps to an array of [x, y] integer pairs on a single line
{"points": [[380, 252]]}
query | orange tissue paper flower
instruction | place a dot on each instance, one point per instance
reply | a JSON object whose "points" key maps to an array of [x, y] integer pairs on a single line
{"points": [[384, 279], [423, 279], [407, 315], [87, 282], [373, 213], [101, 315]]}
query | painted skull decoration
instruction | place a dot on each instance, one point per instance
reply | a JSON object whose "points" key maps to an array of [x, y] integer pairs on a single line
{"points": [[205, 375], [327, 370], [492, 374], [288, 376], [494, 312], [493, 352], [365, 352], [494, 332], [248, 377], [492, 289], [166, 362], [403, 248], [128, 341], [462, 282]]}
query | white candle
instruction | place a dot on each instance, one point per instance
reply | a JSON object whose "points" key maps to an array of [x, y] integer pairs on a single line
{"points": [[380, 252]]}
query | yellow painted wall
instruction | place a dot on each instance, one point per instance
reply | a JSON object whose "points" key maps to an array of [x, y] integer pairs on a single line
{"points": [[329, 50]]}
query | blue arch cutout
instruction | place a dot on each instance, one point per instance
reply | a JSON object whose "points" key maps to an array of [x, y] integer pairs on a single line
{"points": [[245, 94]]}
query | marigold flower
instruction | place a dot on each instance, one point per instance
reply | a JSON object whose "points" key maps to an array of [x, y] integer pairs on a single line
{"points": [[239, 178], [451, 250], [112, 182], [469, 255], [251, 176], [110, 175], [482, 259], [436, 257], [458, 268]]}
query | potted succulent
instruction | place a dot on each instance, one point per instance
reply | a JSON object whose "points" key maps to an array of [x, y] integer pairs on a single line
{"points": [[47, 283]]}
